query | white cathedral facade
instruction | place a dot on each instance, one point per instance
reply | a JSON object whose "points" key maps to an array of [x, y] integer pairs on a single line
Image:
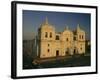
{"points": [[50, 43]]}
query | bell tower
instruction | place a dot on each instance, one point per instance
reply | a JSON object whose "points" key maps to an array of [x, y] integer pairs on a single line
{"points": [[46, 34], [80, 36]]}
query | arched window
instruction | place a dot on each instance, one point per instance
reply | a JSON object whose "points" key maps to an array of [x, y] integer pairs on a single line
{"points": [[48, 50], [79, 36], [48, 44], [50, 34], [82, 37], [66, 39], [46, 34], [57, 37]]}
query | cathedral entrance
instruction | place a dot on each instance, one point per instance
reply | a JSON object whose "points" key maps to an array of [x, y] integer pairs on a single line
{"points": [[57, 52], [74, 51], [67, 51]]}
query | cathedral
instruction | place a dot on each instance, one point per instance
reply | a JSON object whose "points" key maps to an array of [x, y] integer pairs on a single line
{"points": [[50, 43]]}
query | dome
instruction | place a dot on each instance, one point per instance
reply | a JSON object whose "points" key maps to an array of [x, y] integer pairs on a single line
{"points": [[66, 30]]}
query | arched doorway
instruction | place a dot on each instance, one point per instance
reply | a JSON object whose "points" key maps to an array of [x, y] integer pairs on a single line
{"points": [[75, 51], [57, 52], [67, 51]]}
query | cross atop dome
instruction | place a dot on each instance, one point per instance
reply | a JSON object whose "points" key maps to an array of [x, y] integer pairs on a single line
{"points": [[66, 28], [78, 26], [46, 20]]}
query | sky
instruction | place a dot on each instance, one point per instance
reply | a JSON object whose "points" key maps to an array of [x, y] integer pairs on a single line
{"points": [[33, 19]]}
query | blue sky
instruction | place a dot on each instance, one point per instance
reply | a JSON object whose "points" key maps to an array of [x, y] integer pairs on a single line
{"points": [[33, 19]]}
